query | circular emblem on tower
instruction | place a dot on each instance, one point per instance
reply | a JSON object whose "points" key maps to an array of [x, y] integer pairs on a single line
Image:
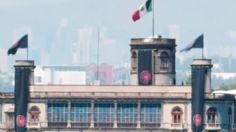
{"points": [[20, 121], [145, 77], [197, 120]]}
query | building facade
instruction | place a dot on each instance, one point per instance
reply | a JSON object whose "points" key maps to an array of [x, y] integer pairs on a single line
{"points": [[151, 103]]}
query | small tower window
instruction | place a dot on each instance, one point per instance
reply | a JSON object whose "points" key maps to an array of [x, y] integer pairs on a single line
{"points": [[165, 58], [176, 115], [212, 117]]}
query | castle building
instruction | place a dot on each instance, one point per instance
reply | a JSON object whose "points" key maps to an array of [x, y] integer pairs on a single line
{"points": [[152, 103]]}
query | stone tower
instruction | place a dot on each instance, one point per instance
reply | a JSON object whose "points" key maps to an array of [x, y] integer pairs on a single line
{"points": [[152, 61], [201, 80], [24, 70]]}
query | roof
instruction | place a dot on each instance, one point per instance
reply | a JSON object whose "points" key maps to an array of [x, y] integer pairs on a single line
{"points": [[117, 91], [233, 92]]}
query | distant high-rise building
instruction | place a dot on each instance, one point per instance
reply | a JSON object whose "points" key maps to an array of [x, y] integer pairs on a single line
{"points": [[61, 50], [87, 45], [174, 32], [103, 73], [3, 60]]}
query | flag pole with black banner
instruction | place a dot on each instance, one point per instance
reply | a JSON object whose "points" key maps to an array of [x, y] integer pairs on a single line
{"points": [[197, 43], [27, 53], [21, 43], [21, 92]]}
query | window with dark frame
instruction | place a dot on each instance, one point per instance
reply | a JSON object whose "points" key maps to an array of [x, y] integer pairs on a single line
{"points": [[165, 59], [177, 115], [212, 116], [134, 60]]}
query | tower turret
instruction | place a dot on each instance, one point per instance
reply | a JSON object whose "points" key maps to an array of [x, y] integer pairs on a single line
{"points": [[23, 78], [152, 61], [201, 80]]}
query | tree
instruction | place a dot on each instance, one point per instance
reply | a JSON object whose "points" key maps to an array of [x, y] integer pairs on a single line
{"points": [[227, 87], [188, 80]]}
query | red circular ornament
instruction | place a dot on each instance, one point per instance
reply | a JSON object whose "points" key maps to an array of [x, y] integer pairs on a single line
{"points": [[145, 77], [20, 121], [197, 120]]}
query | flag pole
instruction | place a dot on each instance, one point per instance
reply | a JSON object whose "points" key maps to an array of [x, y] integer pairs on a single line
{"points": [[203, 49], [98, 55], [27, 52], [202, 53], [153, 20]]}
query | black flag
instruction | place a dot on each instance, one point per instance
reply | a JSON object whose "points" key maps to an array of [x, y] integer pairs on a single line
{"points": [[197, 43], [22, 43]]}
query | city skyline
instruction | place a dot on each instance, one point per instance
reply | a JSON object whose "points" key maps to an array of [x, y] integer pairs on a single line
{"points": [[52, 23]]}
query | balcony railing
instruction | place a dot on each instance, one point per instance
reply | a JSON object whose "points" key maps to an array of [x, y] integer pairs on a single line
{"points": [[71, 125], [80, 124], [10, 125], [150, 125], [213, 126], [234, 126], [178, 126]]}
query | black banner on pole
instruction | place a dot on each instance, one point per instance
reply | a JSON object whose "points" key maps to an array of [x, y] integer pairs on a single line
{"points": [[145, 67], [198, 84], [21, 97]]}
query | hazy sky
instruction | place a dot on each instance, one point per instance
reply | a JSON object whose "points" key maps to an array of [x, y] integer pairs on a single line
{"points": [[183, 19]]}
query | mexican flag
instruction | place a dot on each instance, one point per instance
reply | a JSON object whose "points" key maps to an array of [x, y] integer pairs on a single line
{"points": [[142, 10]]}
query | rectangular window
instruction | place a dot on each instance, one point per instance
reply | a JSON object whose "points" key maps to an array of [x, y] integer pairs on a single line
{"points": [[80, 114], [104, 114], [150, 114], [127, 114], [57, 114]]}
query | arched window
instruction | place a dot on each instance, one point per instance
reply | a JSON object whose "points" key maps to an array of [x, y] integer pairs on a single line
{"points": [[176, 115], [165, 59], [34, 114], [212, 117]]}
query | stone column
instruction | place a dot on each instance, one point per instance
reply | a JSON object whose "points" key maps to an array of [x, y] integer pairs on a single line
{"points": [[69, 112], [139, 113], [115, 114], [92, 114]]}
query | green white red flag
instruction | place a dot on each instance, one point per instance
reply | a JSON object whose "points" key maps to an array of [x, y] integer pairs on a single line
{"points": [[142, 10]]}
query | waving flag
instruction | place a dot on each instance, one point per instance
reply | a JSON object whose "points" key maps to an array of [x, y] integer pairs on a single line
{"points": [[22, 43], [142, 10], [197, 43]]}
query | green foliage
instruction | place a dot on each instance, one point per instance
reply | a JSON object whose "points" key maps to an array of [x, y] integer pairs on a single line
{"points": [[227, 87], [188, 80]]}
